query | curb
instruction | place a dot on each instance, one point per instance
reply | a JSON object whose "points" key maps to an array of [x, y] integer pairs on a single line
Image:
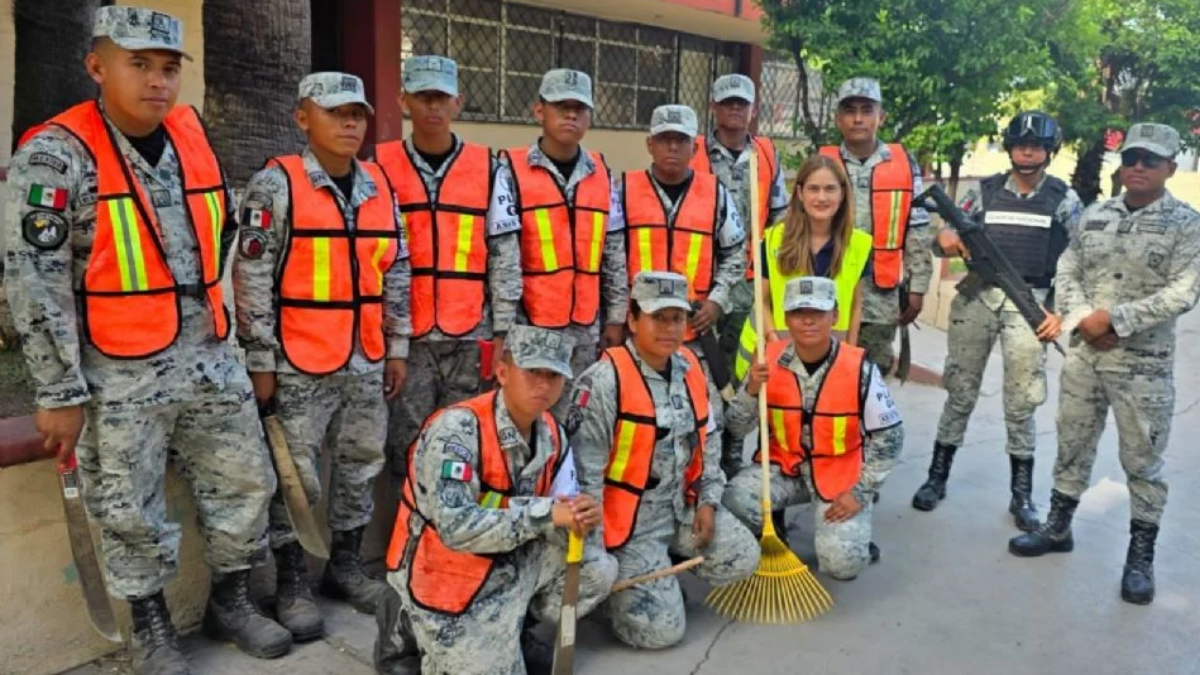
{"points": [[20, 442]]}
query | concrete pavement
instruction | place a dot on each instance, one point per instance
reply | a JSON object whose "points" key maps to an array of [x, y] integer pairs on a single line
{"points": [[947, 597]]}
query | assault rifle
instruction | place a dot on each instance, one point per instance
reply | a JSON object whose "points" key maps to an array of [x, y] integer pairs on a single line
{"points": [[987, 265]]}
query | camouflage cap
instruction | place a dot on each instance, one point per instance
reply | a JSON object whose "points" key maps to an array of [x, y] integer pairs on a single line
{"points": [[136, 28], [677, 118], [733, 86], [534, 348], [655, 291], [1161, 139], [330, 90], [860, 87], [430, 73], [566, 85], [810, 293]]}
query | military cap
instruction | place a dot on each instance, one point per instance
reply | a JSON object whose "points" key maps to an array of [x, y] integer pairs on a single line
{"points": [[656, 291], [860, 87], [566, 85], [136, 28], [535, 348], [430, 73], [1160, 139], [733, 86], [678, 118], [330, 90], [810, 293]]}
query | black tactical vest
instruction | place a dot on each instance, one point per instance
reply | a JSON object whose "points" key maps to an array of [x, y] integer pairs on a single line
{"points": [[1026, 230]]}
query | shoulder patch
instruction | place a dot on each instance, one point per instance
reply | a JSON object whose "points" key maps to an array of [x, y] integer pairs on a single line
{"points": [[459, 471], [45, 230], [48, 160], [458, 450], [253, 244], [258, 218], [47, 197], [257, 200], [1094, 225]]}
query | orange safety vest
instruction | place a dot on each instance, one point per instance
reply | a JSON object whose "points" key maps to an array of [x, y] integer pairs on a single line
{"points": [[441, 579], [447, 240], [835, 419], [684, 246], [561, 242], [891, 204], [330, 283], [634, 436], [129, 295], [702, 163]]}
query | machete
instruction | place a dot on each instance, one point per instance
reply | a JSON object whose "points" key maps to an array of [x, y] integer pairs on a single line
{"points": [[294, 496], [564, 641], [87, 566]]}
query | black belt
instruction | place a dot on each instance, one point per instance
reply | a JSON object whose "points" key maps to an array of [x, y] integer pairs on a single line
{"points": [[198, 291]]}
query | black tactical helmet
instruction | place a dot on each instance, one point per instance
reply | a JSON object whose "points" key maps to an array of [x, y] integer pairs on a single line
{"points": [[1035, 126]]}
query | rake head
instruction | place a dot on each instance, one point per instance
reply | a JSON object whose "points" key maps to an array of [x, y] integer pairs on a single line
{"points": [[783, 590]]}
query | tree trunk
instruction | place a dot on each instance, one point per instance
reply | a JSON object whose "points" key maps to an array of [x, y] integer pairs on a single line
{"points": [[956, 162], [255, 54], [1086, 179], [53, 37]]}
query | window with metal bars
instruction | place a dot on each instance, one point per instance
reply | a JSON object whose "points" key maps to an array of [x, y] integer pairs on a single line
{"points": [[503, 48]]}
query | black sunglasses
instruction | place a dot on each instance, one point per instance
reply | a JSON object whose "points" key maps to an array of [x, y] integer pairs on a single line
{"points": [[1149, 160]]}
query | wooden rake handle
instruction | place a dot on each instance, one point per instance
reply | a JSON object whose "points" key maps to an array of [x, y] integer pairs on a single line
{"points": [[658, 574]]}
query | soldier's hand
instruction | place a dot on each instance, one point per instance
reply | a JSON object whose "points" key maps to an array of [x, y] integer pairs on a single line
{"points": [[587, 512], [613, 336], [1050, 328], [60, 429], [1095, 325], [1105, 342], [916, 301], [843, 508], [264, 387], [395, 371], [703, 526], [706, 317], [952, 244], [562, 514], [757, 378]]}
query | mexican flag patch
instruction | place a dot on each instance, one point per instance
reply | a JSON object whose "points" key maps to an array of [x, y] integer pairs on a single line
{"points": [[48, 197], [260, 218], [453, 470]]}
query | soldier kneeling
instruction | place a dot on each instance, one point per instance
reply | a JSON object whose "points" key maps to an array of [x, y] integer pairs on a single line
{"points": [[480, 540]]}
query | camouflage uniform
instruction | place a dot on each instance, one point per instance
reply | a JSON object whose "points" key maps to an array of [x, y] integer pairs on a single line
{"points": [[843, 549], [733, 170], [191, 403], [975, 325], [1144, 269], [345, 408], [529, 552], [651, 615], [881, 308]]}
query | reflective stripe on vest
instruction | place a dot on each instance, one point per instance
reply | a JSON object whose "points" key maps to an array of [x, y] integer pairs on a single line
{"points": [[129, 294], [891, 205], [767, 164], [562, 242], [634, 437], [440, 579], [447, 240], [685, 245], [835, 421], [330, 280]]}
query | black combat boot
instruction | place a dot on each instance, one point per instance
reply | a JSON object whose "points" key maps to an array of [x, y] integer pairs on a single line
{"points": [[873, 551], [934, 489], [1021, 506], [344, 577], [396, 651], [1137, 583], [233, 616], [538, 655], [1054, 536], [156, 647], [779, 518], [294, 604]]}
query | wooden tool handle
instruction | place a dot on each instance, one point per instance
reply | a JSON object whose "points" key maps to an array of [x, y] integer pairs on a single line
{"points": [[762, 326], [658, 574]]}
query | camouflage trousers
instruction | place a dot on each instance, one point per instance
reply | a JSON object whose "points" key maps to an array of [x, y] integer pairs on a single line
{"points": [[347, 415], [652, 615], [440, 373], [729, 328], [216, 444], [843, 549], [485, 639], [582, 358], [878, 339], [974, 329], [1142, 403]]}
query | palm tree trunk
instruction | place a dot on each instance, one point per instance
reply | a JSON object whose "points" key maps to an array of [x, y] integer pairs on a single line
{"points": [[1086, 179], [53, 37], [255, 54]]}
